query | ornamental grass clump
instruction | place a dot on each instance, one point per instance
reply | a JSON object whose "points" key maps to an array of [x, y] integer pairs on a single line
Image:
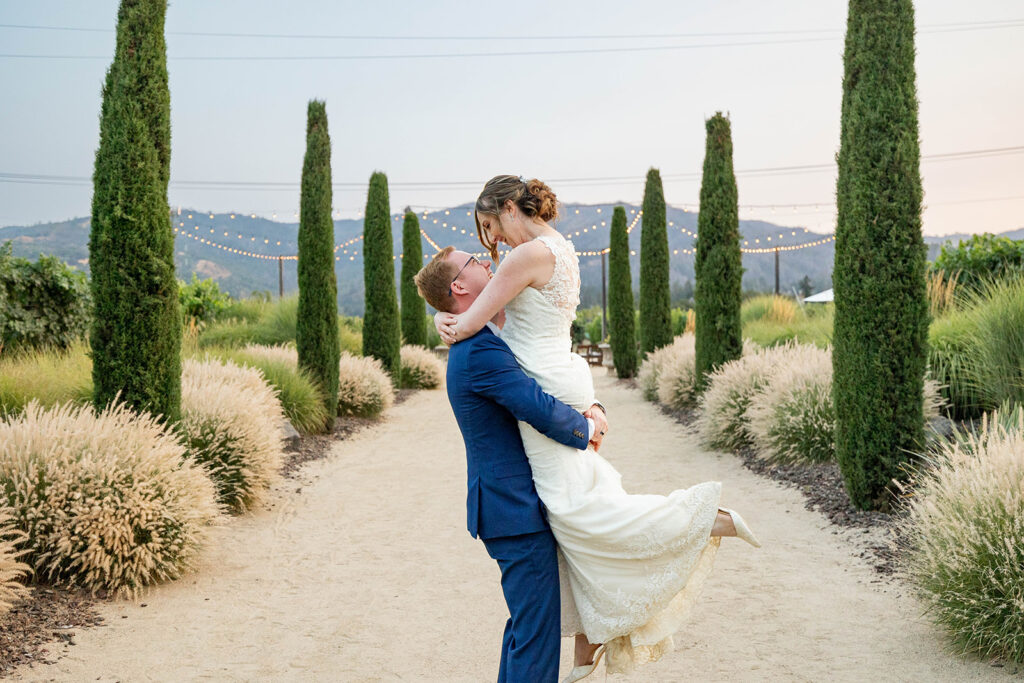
{"points": [[965, 532], [421, 369], [722, 421], [108, 500], [650, 369], [12, 572], [791, 418], [47, 376], [677, 378], [364, 388], [231, 425], [300, 397]]}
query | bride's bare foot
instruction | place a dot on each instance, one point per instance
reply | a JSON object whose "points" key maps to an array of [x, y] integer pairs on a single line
{"points": [[584, 651], [723, 525]]}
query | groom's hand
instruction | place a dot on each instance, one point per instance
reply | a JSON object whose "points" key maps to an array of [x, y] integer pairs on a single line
{"points": [[596, 413]]}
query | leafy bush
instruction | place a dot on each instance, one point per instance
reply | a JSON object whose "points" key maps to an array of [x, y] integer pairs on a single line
{"points": [[11, 570], [681, 321], [594, 332], [433, 338], [231, 424], [43, 304], [421, 369], [650, 370], [48, 377], [981, 259], [966, 538], [202, 300], [791, 418], [364, 389], [677, 378], [108, 500], [722, 421]]}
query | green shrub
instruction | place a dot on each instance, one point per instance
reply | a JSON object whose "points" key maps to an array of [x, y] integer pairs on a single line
{"points": [[365, 388], [594, 331], [300, 397], [202, 300], [812, 325], [621, 314], [43, 304], [770, 308], [981, 259], [136, 330], [246, 310], [881, 301], [231, 424], [680, 319], [316, 330], [421, 369], [414, 308], [433, 338], [275, 324], [48, 377], [108, 501], [717, 259], [655, 296], [12, 571], [966, 538], [382, 333]]}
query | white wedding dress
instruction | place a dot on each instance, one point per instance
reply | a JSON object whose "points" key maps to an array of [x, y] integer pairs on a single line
{"points": [[630, 565]]}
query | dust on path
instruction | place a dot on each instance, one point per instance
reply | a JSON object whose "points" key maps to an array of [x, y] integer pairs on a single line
{"points": [[367, 574]]}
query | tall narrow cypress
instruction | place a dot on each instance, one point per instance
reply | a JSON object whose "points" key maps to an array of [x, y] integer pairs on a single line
{"points": [[414, 308], [881, 315], [136, 331], [316, 329], [620, 298], [655, 299], [717, 264], [382, 334]]}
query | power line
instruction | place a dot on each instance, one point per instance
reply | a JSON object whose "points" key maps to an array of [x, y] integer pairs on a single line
{"points": [[925, 28], [241, 185]]}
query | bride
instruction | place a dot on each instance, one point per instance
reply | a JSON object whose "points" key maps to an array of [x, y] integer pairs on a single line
{"points": [[633, 563]]}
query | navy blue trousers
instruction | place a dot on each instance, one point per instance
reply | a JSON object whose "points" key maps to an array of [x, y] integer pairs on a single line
{"points": [[529, 579]]}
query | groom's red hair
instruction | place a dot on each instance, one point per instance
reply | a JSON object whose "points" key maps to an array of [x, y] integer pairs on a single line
{"points": [[434, 281]]}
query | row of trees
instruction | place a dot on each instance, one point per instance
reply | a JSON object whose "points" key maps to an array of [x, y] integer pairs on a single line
{"points": [[881, 317], [136, 330]]}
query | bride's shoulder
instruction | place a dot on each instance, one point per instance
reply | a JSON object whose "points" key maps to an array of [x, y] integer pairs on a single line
{"points": [[536, 250]]}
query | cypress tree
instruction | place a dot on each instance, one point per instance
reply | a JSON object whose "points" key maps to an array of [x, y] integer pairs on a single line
{"points": [[316, 329], [717, 264], [414, 308], [620, 298], [881, 306], [136, 330], [655, 299], [382, 334]]}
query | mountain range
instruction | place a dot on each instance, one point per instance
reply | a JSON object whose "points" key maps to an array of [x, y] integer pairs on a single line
{"points": [[586, 224]]}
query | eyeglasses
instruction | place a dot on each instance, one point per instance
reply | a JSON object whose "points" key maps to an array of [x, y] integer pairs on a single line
{"points": [[472, 259]]}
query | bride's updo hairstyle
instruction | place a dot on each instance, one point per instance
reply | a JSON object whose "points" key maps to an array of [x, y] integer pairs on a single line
{"points": [[534, 199]]}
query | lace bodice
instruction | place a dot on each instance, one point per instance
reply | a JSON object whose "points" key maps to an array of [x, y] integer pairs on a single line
{"points": [[563, 289]]}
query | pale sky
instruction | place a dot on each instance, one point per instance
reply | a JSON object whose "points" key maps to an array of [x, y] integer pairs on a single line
{"points": [[775, 66]]}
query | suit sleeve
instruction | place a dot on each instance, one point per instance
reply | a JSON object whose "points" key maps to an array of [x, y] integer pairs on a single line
{"points": [[496, 375]]}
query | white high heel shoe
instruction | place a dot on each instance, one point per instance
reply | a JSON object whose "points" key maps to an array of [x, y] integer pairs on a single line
{"points": [[581, 672], [742, 530]]}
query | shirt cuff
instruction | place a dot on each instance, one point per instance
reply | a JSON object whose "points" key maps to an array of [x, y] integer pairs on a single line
{"points": [[590, 429]]}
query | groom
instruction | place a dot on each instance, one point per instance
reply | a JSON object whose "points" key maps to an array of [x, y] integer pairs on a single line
{"points": [[489, 393]]}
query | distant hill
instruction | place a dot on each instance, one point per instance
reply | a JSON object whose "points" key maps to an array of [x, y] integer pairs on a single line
{"points": [[241, 275]]}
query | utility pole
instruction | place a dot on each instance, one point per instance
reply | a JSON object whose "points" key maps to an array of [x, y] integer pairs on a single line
{"points": [[776, 271], [280, 277]]}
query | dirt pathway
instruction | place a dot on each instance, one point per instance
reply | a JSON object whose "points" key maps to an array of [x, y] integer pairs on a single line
{"points": [[368, 574]]}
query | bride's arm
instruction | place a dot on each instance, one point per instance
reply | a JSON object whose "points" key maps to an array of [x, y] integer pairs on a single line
{"points": [[528, 265]]}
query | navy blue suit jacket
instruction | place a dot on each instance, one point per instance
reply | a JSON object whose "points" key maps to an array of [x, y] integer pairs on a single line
{"points": [[489, 393]]}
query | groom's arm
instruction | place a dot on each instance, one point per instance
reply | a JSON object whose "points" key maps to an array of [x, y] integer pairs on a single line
{"points": [[496, 375]]}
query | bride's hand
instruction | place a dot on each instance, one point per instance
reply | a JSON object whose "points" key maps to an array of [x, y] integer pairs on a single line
{"points": [[447, 327]]}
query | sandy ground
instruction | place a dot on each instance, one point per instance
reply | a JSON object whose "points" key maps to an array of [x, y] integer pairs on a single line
{"points": [[363, 571]]}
